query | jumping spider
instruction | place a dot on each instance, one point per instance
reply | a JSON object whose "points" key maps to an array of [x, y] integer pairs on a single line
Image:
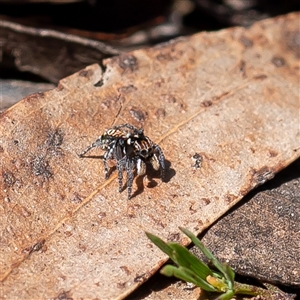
{"points": [[131, 149]]}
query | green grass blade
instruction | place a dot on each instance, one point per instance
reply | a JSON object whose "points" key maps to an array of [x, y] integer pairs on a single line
{"points": [[160, 244], [230, 274], [227, 296], [209, 255], [187, 275], [181, 256], [184, 258], [191, 269]]}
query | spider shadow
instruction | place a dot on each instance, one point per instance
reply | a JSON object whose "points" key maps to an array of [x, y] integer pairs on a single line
{"points": [[152, 175]]}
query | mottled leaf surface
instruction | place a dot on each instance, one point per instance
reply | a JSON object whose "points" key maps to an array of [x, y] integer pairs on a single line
{"points": [[231, 96]]}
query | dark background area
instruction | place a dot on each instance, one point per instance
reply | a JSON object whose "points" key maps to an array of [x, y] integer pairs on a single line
{"points": [[117, 23]]}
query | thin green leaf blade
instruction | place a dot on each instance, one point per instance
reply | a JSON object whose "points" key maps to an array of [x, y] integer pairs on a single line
{"points": [[160, 244], [187, 275], [230, 274], [186, 259], [227, 296], [207, 253]]}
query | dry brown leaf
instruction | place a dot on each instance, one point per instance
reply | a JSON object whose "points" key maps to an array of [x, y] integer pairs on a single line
{"points": [[231, 96]]}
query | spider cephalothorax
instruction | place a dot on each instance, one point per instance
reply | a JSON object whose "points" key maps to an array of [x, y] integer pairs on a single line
{"points": [[131, 149]]}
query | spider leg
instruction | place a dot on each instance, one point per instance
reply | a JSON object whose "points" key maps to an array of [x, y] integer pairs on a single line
{"points": [[106, 169], [108, 155], [130, 175], [120, 157], [161, 159], [120, 167], [97, 143]]}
